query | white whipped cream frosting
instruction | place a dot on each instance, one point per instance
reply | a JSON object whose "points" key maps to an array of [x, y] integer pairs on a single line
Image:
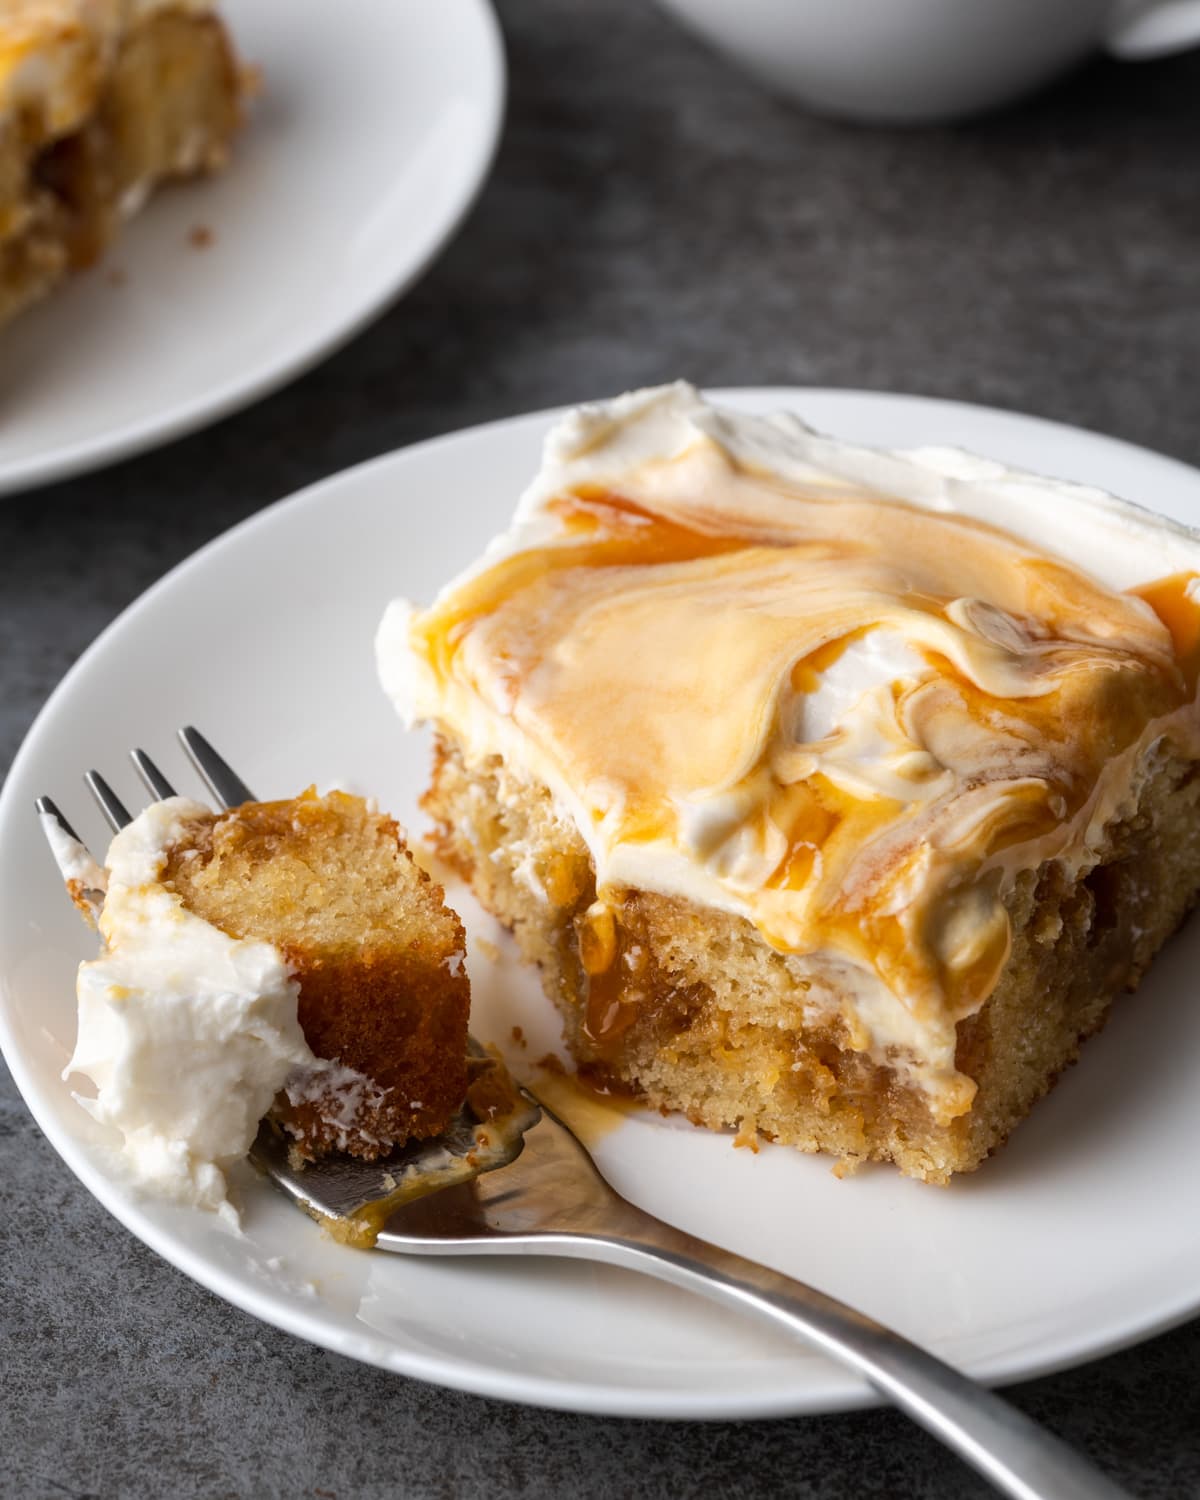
{"points": [[641, 435], [186, 1033], [72, 858]]}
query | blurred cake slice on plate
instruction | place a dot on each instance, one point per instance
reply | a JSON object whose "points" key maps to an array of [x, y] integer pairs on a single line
{"points": [[100, 102]]}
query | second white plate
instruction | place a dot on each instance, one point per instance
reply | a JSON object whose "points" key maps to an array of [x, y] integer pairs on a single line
{"points": [[1082, 1235], [373, 133]]}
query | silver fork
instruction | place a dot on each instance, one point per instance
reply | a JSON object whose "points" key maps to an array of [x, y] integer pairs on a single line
{"points": [[545, 1197]]}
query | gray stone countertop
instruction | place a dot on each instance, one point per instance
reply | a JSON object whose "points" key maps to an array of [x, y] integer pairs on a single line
{"points": [[650, 215]]}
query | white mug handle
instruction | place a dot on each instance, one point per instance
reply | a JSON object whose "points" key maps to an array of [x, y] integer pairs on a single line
{"points": [[1142, 29]]}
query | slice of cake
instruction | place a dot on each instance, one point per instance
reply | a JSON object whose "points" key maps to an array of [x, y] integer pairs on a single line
{"points": [[836, 793], [100, 101], [284, 956]]}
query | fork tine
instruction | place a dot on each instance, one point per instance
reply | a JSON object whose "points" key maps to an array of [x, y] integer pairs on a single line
{"points": [[222, 781], [152, 778], [115, 812], [48, 805], [83, 877]]}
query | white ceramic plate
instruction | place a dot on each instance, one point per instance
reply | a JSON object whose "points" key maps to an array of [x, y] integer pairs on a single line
{"points": [[1081, 1236], [374, 131]]}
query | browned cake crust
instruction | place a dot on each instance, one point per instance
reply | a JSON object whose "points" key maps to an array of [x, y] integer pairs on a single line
{"points": [[378, 955], [694, 1011], [167, 108]]}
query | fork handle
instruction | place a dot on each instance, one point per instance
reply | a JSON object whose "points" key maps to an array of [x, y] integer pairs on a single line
{"points": [[1019, 1457]]}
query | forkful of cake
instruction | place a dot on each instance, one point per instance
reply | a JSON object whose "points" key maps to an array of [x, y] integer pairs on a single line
{"points": [[282, 979]]}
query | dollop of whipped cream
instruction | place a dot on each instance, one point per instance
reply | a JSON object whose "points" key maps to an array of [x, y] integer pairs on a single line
{"points": [[187, 1034], [847, 694]]}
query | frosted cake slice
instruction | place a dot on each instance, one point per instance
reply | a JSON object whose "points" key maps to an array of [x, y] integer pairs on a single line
{"points": [[836, 793], [284, 957], [100, 102]]}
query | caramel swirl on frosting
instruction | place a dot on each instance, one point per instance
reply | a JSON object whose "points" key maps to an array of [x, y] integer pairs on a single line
{"points": [[821, 687]]}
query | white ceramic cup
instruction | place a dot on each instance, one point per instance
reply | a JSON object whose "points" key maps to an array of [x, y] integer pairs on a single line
{"points": [[918, 61]]}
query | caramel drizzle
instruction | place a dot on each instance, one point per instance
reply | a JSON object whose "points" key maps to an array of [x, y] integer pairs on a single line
{"points": [[1081, 723]]}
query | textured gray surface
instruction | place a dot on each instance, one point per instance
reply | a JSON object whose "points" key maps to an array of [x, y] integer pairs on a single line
{"points": [[650, 215]]}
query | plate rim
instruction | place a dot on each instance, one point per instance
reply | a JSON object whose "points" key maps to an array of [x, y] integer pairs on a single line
{"points": [[144, 434], [840, 1390]]}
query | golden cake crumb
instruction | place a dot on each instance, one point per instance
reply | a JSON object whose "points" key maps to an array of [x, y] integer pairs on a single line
{"points": [[378, 955]]}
